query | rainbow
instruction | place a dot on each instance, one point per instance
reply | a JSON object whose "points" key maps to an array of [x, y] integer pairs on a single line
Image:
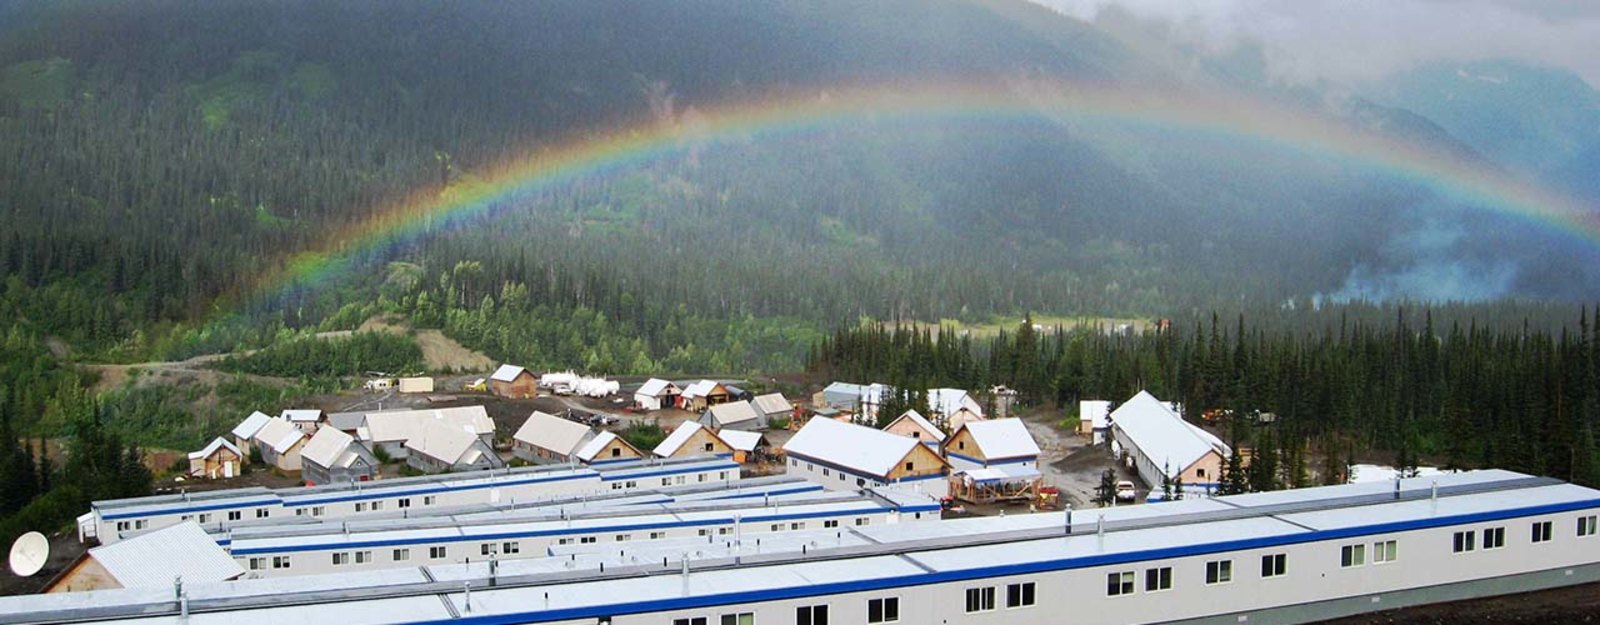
{"points": [[1225, 117]]}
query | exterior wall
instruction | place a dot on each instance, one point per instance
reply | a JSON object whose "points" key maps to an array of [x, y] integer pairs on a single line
{"points": [[923, 462], [910, 429], [287, 461], [396, 449], [318, 559], [617, 451], [537, 455], [1150, 469], [697, 445], [831, 477], [525, 386], [359, 471], [647, 402], [1206, 470], [215, 466], [243, 444], [85, 574]]}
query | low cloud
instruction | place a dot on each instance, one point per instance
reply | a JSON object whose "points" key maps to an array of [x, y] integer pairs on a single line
{"points": [[1350, 41]]}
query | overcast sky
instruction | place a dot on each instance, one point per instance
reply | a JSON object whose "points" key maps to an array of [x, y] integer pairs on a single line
{"points": [[1354, 40]]}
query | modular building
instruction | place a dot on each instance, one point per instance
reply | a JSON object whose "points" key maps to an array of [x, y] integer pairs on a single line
{"points": [[844, 456], [1281, 557]]}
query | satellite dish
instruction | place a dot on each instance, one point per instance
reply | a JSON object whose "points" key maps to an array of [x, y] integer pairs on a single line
{"points": [[29, 554]]}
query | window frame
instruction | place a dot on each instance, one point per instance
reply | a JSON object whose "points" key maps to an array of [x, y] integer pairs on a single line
{"points": [[1119, 583], [1021, 595], [1219, 572]]}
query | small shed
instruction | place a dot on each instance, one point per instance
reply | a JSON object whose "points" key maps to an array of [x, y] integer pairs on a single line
{"points": [[416, 385], [656, 394], [692, 439], [333, 457], [773, 406], [244, 434], [220, 459], [514, 381], [280, 444], [1092, 421], [306, 420], [738, 415], [703, 394], [990, 443], [747, 446]]}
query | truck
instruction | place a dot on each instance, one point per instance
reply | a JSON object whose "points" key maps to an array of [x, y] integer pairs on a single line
{"points": [[1126, 492]]}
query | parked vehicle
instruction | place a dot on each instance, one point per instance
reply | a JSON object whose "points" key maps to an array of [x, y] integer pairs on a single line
{"points": [[1126, 492]]}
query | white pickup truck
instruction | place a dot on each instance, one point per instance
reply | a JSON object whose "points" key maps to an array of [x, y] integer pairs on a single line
{"points": [[1126, 492]]}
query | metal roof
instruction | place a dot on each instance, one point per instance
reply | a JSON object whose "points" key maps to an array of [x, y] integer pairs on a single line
{"points": [[733, 412], [596, 444], [442, 441], [678, 438], [655, 387], [155, 558], [302, 414], [547, 431], [216, 443], [772, 403], [507, 373], [854, 447], [701, 388], [740, 440], [1094, 411], [1002, 438], [948, 401], [325, 447], [247, 429], [402, 425], [280, 435]]}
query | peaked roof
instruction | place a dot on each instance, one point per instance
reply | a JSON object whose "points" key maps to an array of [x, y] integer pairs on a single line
{"points": [[702, 388], [303, 414], [741, 440], [772, 403], [442, 441], [507, 373], [216, 443], [400, 425], [151, 560], [858, 448], [326, 446], [1001, 438], [1161, 435], [597, 443], [679, 437], [547, 431], [947, 401], [279, 435], [655, 387], [733, 412], [916, 417], [247, 429]]}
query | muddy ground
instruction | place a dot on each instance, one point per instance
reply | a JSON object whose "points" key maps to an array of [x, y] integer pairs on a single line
{"points": [[1561, 606]]}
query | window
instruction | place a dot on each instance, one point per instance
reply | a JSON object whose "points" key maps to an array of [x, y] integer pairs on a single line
{"points": [[1384, 551], [1019, 595], [1464, 542], [485, 549], [1494, 538], [280, 562], [825, 472], [616, 486], [794, 462], [777, 527], [564, 541], [257, 564], [586, 540], [1274, 565], [797, 525], [1586, 525], [401, 555], [861, 482], [811, 615], [234, 515], [377, 505], [123, 526], [361, 506], [657, 535], [705, 532], [1541, 532], [437, 552], [141, 524], [341, 558], [1118, 584], [403, 502], [910, 465], [883, 610], [1352, 555], [261, 513], [697, 620], [831, 523], [624, 537], [429, 499], [616, 452], [980, 599], [363, 557], [1219, 572], [724, 531], [666, 481], [863, 521], [699, 477], [317, 510], [1158, 579], [205, 518], [722, 475], [709, 447], [742, 618]]}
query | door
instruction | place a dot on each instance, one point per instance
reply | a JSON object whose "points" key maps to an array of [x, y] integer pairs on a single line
{"points": [[227, 469]]}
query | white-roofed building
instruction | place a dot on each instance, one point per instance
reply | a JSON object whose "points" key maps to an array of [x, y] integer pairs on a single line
{"points": [[306, 420], [548, 439], [912, 424], [443, 446], [1161, 445], [514, 381], [220, 459], [962, 416], [657, 394], [390, 430], [280, 443], [605, 448], [150, 560], [700, 395], [944, 403], [692, 439], [333, 457], [773, 406], [991, 443], [737, 415], [747, 446], [845, 456], [244, 434], [1092, 421]]}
